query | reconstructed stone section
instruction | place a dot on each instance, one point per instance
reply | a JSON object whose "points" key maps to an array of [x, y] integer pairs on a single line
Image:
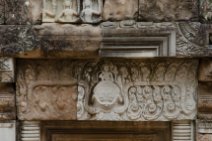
{"points": [[8, 131], [168, 10], [137, 90], [46, 90], [7, 102], [120, 10]]}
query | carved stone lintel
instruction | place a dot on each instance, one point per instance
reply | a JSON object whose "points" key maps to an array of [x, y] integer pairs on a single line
{"points": [[131, 91], [182, 131], [46, 90]]}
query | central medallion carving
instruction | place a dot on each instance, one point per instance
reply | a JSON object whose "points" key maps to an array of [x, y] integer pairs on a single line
{"points": [[137, 91]]}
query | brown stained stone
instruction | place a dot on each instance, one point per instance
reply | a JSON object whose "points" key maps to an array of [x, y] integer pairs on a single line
{"points": [[46, 90], [22, 12], [205, 70], [7, 102], [168, 10], [2, 11], [120, 9]]}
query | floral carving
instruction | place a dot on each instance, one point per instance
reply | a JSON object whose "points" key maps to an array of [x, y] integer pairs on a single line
{"points": [[137, 90]]}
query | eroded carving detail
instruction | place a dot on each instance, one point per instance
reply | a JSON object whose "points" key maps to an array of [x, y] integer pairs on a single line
{"points": [[204, 137], [92, 10], [137, 91], [46, 91], [66, 11], [206, 9]]}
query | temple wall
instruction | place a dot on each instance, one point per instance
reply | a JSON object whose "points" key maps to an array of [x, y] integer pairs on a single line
{"points": [[105, 70]]}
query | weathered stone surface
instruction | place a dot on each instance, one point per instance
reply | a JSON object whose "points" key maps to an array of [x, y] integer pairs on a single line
{"points": [[168, 10], [206, 10], [46, 90], [134, 40], [23, 12], [204, 130], [92, 11], [16, 40], [204, 137], [61, 11], [137, 90], [105, 131], [2, 11], [7, 70], [205, 70], [7, 103], [120, 10], [205, 101], [7, 131], [68, 40]]}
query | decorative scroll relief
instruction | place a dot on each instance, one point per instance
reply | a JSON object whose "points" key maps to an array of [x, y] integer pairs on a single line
{"points": [[69, 11], [135, 91], [46, 91]]}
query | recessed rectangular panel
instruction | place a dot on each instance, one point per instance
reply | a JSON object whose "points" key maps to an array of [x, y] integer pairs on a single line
{"points": [[105, 131]]}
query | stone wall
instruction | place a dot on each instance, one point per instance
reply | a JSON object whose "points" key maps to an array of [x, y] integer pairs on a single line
{"points": [[65, 63]]}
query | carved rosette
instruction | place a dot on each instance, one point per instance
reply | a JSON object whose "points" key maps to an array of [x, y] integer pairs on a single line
{"points": [[137, 90]]}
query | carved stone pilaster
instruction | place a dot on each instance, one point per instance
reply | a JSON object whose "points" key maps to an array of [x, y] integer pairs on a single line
{"points": [[7, 102], [204, 130], [30, 131], [183, 131], [6, 70]]}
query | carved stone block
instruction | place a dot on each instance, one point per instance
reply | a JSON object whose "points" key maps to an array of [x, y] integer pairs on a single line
{"points": [[140, 39], [167, 10], [65, 11], [120, 10], [206, 10], [92, 11], [204, 130], [46, 90], [137, 90], [205, 71], [7, 131]]}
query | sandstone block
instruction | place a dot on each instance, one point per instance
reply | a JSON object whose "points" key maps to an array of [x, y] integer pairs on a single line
{"points": [[117, 10], [205, 70], [46, 90], [2, 4], [168, 10]]}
